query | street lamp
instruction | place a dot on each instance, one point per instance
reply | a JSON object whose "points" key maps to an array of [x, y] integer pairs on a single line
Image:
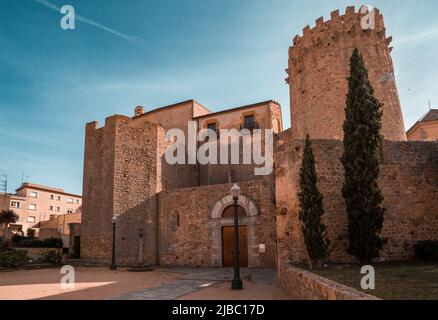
{"points": [[236, 284], [140, 248], [113, 259]]}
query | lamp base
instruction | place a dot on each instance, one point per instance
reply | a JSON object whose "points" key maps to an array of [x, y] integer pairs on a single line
{"points": [[236, 284], [141, 268]]}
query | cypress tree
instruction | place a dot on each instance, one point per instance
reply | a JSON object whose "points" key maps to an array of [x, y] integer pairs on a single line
{"points": [[311, 209], [361, 161]]}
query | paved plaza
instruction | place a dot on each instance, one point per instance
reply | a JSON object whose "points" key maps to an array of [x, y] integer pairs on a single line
{"points": [[160, 284]]}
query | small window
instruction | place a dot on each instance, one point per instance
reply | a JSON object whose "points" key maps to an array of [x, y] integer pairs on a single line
{"points": [[77, 201], [32, 206], [15, 204], [249, 122], [59, 198], [69, 200], [212, 126], [52, 197], [51, 208], [58, 209], [31, 219], [33, 194], [70, 211]]}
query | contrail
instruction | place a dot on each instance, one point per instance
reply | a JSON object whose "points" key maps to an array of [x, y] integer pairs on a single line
{"points": [[90, 22], [418, 37]]}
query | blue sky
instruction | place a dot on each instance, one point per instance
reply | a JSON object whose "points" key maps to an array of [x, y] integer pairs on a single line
{"points": [[221, 53]]}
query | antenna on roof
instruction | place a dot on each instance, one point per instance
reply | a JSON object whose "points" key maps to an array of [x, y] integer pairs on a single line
{"points": [[430, 107]]}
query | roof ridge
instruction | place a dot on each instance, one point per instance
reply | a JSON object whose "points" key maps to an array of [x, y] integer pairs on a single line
{"points": [[238, 108], [427, 114], [167, 107]]}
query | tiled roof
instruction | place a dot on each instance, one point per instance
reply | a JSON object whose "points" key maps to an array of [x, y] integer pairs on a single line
{"points": [[165, 107], [44, 188], [432, 115], [238, 108]]}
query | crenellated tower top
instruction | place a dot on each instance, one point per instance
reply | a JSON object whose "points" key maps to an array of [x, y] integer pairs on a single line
{"points": [[318, 70], [327, 31]]}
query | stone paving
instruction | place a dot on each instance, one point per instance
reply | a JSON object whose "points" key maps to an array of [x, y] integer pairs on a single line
{"points": [[197, 279]]}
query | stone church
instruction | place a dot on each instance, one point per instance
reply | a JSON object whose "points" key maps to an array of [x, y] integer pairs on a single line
{"points": [[182, 213]]}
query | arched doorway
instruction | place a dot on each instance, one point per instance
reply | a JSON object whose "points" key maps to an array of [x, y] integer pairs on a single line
{"points": [[228, 239], [222, 217]]}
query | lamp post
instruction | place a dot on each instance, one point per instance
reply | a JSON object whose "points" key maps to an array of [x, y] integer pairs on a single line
{"points": [[236, 284], [140, 248], [113, 258]]}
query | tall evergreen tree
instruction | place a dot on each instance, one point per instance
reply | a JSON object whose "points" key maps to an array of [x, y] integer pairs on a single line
{"points": [[361, 161], [311, 209]]}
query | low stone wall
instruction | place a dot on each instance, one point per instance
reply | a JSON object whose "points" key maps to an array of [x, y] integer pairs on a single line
{"points": [[304, 285]]}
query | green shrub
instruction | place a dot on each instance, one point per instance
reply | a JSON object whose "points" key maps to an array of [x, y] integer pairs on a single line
{"points": [[427, 250], [37, 243], [31, 233], [53, 257], [16, 238], [53, 243], [13, 258]]}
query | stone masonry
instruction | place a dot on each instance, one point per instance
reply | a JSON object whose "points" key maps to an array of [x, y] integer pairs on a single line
{"points": [[190, 232], [180, 209], [115, 155], [409, 183], [126, 175], [319, 68]]}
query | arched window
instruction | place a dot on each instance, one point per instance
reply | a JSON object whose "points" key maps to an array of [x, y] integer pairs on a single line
{"points": [[229, 212]]}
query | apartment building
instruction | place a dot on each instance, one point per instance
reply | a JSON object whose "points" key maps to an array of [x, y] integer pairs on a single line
{"points": [[35, 203]]}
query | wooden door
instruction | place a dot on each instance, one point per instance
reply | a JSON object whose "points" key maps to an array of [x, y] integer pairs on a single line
{"points": [[77, 247], [228, 246]]}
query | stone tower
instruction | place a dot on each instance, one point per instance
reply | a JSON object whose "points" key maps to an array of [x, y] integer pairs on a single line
{"points": [[318, 71], [122, 176]]}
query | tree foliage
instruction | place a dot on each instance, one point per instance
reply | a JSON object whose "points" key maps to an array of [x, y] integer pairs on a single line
{"points": [[8, 217], [311, 208], [361, 161]]}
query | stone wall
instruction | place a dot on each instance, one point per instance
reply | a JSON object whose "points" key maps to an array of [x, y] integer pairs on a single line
{"points": [[304, 285], [408, 180], [173, 117], [122, 175], [319, 68], [190, 224]]}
